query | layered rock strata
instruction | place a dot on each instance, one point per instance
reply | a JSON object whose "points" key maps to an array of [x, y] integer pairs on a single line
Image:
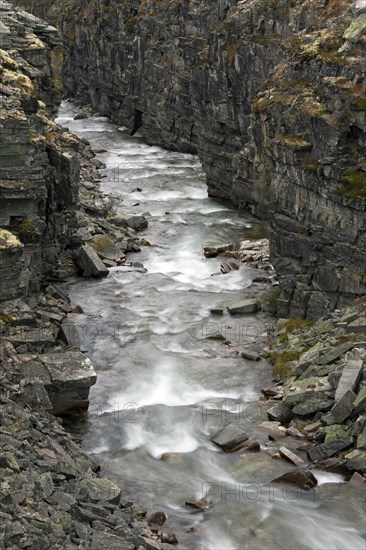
{"points": [[270, 94]]}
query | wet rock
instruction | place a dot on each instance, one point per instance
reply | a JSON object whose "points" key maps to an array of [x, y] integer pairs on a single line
{"points": [[295, 432], [89, 262], [250, 355], [334, 442], [303, 479], [168, 536], [80, 116], [280, 412], [231, 438], [217, 311], [156, 518], [139, 223], [243, 306], [357, 480], [276, 433], [291, 457], [172, 458], [251, 446], [201, 504]]}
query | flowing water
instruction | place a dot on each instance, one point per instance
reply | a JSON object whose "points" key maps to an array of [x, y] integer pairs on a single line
{"points": [[165, 387]]}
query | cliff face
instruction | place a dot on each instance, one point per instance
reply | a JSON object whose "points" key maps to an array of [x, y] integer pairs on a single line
{"points": [[39, 161], [270, 94]]}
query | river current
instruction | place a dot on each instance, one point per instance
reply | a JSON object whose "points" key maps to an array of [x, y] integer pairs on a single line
{"points": [[164, 387]]}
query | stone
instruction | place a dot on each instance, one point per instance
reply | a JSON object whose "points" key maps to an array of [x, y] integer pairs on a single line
{"points": [[89, 262], [356, 460], [250, 355], [343, 407], [8, 460], [361, 440], [71, 374], [350, 378], [156, 518], [252, 446], [243, 306], [99, 490], [312, 427], [168, 536], [201, 504], [357, 480], [280, 412], [217, 311], [69, 334], [231, 438], [291, 457], [276, 433], [139, 223], [335, 353], [360, 402], [312, 406], [295, 432], [303, 479]]}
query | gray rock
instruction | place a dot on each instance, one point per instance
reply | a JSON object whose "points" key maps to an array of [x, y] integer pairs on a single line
{"points": [[139, 223], [250, 355], [291, 457], [343, 407], [231, 438], [281, 413], [303, 479], [313, 405], [361, 440], [244, 306], [360, 402], [99, 490], [350, 378], [89, 262]]}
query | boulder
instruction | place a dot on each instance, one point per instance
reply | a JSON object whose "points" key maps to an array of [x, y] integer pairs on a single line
{"points": [[243, 306], [139, 223], [89, 262], [231, 438], [313, 405], [356, 460], [99, 490], [361, 439], [360, 402], [280, 412], [350, 378], [343, 407], [71, 376], [303, 479], [250, 355]]}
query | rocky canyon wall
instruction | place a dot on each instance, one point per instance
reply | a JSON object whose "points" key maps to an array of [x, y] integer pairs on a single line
{"points": [[269, 93]]}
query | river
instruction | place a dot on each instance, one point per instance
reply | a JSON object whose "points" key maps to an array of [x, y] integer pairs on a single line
{"points": [[165, 387]]}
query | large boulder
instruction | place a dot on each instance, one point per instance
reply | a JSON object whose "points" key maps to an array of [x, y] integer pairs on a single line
{"points": [[89, 262]]}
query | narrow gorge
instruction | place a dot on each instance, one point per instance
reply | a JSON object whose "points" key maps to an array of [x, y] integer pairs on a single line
{"points": [[271, 95], [183, 274]]}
